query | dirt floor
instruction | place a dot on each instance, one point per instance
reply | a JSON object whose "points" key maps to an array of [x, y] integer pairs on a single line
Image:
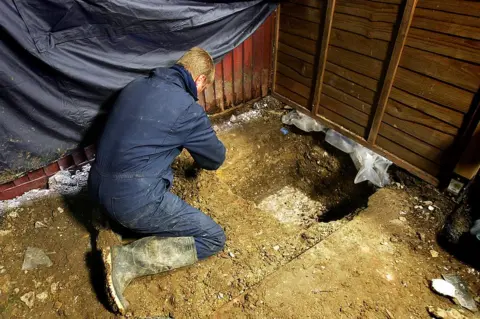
{"points": [[301, 241]]}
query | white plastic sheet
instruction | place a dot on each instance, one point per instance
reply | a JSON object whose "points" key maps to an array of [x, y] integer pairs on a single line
{"points": [[303, 122]]}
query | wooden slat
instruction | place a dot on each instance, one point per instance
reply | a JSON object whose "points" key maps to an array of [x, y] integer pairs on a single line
{"points": [[238, 75], [302, 12], [347, 99], [447, 27], [469, 8], [469, 163], [301, 67], [227, 65], [455, 118], [415, 145], [400, 40], [258, 49], [370, 47], [342, 121], [373, 11], [310, 3], [296, 53], [459, 73], [291, 95], [293, 85], [247, 68], [210, 105], [362, 26], [299, 27], [409, 156], [293, 74], [446, 17], [305, 45], [350, 88], [433, 90], [347, 111], [219, 87], [455, 47], [389, 1], [410, 115], [276, 37], [428, 135], [322, 60], [355, 77], [357, 62], [267, 54]]}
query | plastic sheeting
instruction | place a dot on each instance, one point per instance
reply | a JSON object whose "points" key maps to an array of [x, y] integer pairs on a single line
{"points": [[63, 60]]}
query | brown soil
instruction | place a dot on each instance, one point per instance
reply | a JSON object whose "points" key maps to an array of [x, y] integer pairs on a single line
{"points": [[261, 162]]}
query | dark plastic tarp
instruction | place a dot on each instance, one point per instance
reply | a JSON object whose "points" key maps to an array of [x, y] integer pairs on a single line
{"points": [[63, 60]]}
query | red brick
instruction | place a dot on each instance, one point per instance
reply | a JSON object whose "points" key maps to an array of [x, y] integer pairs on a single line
{"points": [[22, 189], [66, 162], [90, 152], [21, 180], [36, 174], [51, 169], [79, 157], [6, 186]]}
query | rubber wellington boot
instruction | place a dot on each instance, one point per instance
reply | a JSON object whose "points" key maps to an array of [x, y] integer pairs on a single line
{"points": [[146, 256]]}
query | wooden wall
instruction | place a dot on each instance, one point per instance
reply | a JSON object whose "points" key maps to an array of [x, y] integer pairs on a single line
{"points": [[399, 76]]}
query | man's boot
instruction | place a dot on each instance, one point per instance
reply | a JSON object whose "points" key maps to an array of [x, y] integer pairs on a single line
{"points": [[146, 256]]}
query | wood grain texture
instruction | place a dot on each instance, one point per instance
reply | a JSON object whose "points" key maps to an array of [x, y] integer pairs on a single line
{"points": [[219, 101], [285, 48], [408, 156], [301, 67], [342, 121], [373, 11], [447, 28], [469, 8], [444, 44], [324, 47], [354, 42], [293, 74], [305, 45], [415, 145], [291, 95], [364, 27], [453, 117], [310, 3], [393, 63], [433, 90], [344, 110], [350, 88], [355, 77], [357, 62], [459, 73], [302, 12], [447, 17], [347, 99], [238, 75], [276, 38], [293, 85], [306, 29]]}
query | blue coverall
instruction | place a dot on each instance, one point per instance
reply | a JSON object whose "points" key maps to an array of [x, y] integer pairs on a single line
{"points": [[152, 120]]}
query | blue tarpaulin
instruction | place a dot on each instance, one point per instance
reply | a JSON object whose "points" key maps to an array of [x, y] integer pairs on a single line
{"points": [[63, 60]]}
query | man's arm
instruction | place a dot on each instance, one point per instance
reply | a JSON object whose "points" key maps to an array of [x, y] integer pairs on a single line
{"points": [[202, 142]]}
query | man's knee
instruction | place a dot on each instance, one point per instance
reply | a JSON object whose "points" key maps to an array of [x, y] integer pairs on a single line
{"points": [[210, 243]]}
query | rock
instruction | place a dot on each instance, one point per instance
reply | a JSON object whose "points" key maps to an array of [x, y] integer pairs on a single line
{"points": [[428, 203], [434, 253], [220, 295], [54, 287], [35, 258], [394, 239], [16, 290], [57, 305], [50, 279], [443, 287], [403, 213], [418, 207], [60, 210], [42, 296], [233, 119], [421, 236], [5, 232], [431, 208], [402, 219], [276, 247], [440, 313], [231, 254], [28, 299], [39, 224], [13, 214]]}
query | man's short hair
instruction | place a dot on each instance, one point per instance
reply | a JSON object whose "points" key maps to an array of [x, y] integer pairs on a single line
{"points": [[198, 62]]}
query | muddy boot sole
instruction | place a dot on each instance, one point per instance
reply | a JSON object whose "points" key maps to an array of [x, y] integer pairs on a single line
{"points": [[112, 295]]}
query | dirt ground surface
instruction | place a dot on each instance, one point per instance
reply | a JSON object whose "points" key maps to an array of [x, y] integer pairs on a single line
{"points": [[301, 241]]}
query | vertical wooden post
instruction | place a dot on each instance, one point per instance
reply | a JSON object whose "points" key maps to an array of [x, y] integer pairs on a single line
{"points": [[400, 40], [327, 30], [275, 47]]}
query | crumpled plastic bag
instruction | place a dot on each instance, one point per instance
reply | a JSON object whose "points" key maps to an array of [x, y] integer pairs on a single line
{"points": [[371, 166], [303, 122], [339, 141]]}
